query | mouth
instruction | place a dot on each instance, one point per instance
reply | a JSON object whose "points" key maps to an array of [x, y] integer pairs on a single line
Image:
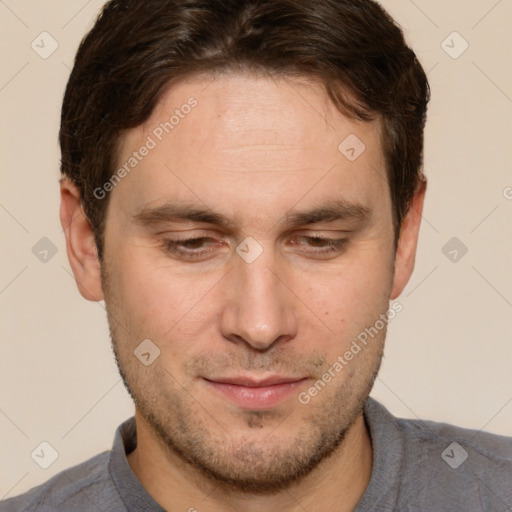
{"points": [[256, 394]]}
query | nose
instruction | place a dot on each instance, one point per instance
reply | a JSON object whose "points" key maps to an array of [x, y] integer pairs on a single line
{"points": [[259, 308]]}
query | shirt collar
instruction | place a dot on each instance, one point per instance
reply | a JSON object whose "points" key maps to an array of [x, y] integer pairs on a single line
{"points": [[131, 491]]}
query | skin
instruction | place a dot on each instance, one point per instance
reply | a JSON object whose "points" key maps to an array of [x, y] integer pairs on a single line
{"points": [[256, 150]]}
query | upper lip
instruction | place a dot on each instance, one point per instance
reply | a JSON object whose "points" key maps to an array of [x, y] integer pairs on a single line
{"points": [[251, 382]]}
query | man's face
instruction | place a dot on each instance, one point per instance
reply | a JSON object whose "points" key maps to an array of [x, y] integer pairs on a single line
{"points": [[284, 306]]}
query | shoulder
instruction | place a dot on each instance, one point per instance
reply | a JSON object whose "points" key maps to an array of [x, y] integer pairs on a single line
{"points": [[445, 466], [431, 435], [454, 447], [493, 447], [75, 488]]}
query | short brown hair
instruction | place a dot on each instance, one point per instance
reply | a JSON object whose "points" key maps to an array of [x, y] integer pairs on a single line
{"points": [[138, 47]]}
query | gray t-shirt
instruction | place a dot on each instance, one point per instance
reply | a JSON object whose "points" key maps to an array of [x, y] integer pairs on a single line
{"points": [[417, 466]]}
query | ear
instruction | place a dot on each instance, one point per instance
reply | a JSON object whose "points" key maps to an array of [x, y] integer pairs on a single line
{"points": [[408, 241], [80, 244]]}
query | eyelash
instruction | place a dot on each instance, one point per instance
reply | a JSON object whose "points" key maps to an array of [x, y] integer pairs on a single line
{"points": [[175, 246]]}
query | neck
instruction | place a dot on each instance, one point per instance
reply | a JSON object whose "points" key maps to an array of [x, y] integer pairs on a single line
{"points": [[338, 483]]}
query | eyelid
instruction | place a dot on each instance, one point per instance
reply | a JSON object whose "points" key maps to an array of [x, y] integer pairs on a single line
{"points": [[327, 233], [334, 246]]}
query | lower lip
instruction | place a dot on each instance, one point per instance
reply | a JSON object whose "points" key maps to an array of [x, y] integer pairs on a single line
{"points": [[263, 397]]}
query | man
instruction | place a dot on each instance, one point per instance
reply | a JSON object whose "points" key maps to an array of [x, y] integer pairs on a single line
{"points": [[242, 185]]}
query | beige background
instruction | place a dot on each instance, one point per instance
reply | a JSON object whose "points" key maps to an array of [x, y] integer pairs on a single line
{"points": [[449, 352]]}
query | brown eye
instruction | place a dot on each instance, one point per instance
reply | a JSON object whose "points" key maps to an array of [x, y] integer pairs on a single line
{"points": [[189, 247], [321, 245]]}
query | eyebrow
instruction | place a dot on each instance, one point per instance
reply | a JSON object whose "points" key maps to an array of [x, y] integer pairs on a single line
{"points": [[330, 211]]}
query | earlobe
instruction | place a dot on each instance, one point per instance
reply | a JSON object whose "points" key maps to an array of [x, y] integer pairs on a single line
{"points": [[408, 241], [80, 243]]}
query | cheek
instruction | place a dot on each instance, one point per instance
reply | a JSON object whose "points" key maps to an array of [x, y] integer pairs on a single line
{"points": [[347, 302], [351, 293], [157, 301], [145, 298]]}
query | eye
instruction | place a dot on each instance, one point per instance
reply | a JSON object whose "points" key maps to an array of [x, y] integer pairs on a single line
{"points": [[202, 247], [321, 246], [190, 247]]}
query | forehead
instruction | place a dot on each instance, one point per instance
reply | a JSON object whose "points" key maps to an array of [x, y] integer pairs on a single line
{"points": [[255, 108], [224, 139]]}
